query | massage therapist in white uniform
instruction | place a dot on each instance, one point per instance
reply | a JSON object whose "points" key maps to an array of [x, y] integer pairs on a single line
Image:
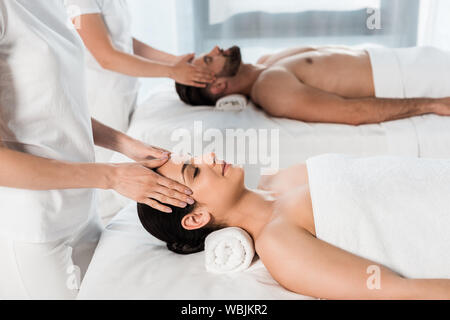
{"points": [[116, 59], [49, 227]]}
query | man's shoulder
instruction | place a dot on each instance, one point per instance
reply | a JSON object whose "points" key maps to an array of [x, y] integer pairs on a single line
{"points": [[269, 76], [273, 72], [272, 78]]}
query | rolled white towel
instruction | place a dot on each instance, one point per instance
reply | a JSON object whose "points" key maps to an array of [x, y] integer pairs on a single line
{"points": [[234, 102], [228, 250]]}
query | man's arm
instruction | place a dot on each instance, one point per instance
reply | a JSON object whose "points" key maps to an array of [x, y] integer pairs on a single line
{"points": [[315, 268], [270, 59], [281, 94]]}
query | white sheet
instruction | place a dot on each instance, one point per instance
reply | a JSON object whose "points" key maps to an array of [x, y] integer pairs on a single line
{"points": [[162, 113], [414, 72], [131, 264]]}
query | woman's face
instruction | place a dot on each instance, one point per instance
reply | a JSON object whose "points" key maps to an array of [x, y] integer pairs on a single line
{"points": [[216, 184]]}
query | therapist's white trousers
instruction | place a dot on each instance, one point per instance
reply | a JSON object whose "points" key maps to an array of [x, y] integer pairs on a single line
{"points": [[48, 271]]}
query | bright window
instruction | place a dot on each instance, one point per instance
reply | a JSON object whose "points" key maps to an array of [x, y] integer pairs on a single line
{"points": [[261, 26]]}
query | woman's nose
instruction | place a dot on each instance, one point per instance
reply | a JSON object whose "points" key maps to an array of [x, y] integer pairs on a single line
{"points": [[207, 159], [210, 158]]}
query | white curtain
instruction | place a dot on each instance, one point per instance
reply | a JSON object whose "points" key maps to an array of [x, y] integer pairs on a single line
{"points": [[434, 24], [169, 24], [220, 10], [155, 23], [264, 26]]}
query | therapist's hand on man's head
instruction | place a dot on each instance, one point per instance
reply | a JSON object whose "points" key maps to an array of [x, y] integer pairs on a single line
{"points": [[139, 182], [184, 72]]}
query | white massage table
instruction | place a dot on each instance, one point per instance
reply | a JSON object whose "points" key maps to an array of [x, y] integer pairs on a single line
{"points": [[129, 264]]}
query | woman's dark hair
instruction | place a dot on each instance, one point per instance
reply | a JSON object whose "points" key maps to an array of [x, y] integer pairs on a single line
{"points": [[167, 227], [195, 96]]}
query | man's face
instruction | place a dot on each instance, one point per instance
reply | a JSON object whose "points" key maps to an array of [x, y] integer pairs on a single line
{"points": [[223, 63]]}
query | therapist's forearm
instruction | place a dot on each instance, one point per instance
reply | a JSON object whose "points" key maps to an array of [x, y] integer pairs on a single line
{"points": [[136, 150], [144, 50], [109, 138], [24, 171], [106, 137]]}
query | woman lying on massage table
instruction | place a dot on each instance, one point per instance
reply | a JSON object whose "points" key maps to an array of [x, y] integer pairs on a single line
{"points": [[315, 225]]}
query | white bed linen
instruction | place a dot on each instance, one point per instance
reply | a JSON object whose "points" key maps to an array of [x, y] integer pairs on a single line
{"points": [[131, 264], [394, 211]]}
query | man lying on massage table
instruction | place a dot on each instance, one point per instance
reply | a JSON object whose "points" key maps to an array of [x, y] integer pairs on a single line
{"points": [[332, 84], [339, 227]]}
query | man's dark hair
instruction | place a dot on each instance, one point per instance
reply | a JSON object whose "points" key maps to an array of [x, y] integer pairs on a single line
{"points": [[167, 228], [195, 96], [200, 96]]}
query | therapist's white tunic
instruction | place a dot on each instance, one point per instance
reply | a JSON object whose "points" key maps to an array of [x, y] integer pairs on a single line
{"points": [[43, 112], [112, 96]]}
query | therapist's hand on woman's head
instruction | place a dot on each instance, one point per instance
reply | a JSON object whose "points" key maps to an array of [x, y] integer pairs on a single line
{"points": [[139, 182], [186, 73]]}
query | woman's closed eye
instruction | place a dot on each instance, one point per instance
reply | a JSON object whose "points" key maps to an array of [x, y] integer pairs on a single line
{"points": [[196, 172], [190, 171]]}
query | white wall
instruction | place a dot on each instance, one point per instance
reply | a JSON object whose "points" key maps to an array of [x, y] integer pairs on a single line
{"points": [[154, 22]]}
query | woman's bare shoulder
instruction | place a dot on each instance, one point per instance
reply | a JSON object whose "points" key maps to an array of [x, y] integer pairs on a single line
{"points": [[276, 240], [292, 211]]}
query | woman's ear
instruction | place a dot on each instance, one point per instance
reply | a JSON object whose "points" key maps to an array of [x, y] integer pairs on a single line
{"points": [[219, 86], [196, 220]]}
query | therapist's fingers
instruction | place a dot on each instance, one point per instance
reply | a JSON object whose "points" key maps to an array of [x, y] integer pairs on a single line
{"points": [[155, 163], [175, 188], [173, 194], [197, 84], [167, 200], [204, 75], [171, 188], [157, 152]]}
